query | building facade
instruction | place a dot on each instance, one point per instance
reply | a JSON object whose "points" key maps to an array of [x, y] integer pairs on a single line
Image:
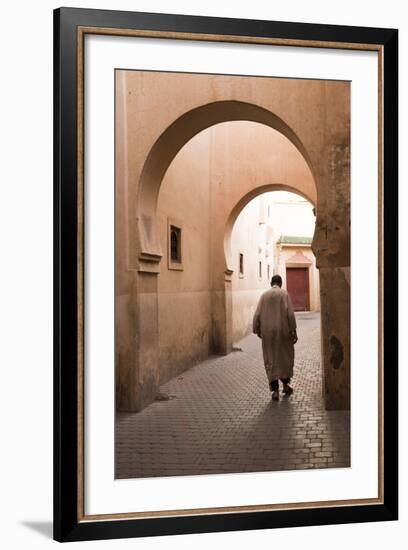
{"points": [[260, 249]]}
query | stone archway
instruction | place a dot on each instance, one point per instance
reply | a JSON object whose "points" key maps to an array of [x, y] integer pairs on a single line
{"points": [[167, 146], [136, 360], [160, 157], [248, 198], [232, 218]]}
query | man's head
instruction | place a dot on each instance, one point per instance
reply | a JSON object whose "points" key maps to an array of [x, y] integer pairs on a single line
{"points": [[276, 280]]}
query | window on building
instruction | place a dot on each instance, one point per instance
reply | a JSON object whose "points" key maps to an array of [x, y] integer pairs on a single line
{"points": [[269, 271], [260, 270], [241, 264], [175, 244]]}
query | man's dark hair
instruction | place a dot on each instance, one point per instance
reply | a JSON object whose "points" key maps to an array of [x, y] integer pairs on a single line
{"points": [[276, 280]]}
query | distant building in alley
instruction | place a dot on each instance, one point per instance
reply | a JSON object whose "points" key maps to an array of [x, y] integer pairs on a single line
{"points": [[272, 235]]}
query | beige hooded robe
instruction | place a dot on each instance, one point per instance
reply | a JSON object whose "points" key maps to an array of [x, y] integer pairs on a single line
{"points": [[274, 321]]}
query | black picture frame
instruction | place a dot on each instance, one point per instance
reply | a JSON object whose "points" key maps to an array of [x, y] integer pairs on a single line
{"points": [[67, 525]]}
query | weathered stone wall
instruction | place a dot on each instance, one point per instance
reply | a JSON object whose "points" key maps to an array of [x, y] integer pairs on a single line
{"points": [[335, 300]]}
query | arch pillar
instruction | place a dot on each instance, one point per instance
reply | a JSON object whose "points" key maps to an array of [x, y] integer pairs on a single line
{"points": [[221, 306], [147, 337], [335, 334], [221, 292], [331, 246], [333, 261], [137, 379]]}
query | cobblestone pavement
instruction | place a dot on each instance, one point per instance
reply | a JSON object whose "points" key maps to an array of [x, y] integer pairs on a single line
{"points": [[220, 418]]}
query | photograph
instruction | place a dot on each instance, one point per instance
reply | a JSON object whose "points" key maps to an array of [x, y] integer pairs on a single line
{"points": [[203, 219], [232, 273], [225, 274]]}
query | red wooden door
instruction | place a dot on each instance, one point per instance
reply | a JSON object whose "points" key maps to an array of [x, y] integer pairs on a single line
{"points": [[297, 284]]}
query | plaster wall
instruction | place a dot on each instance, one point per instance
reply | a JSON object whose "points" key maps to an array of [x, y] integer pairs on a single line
{"points": [[290, 214], [184, 295], [252, 238]]}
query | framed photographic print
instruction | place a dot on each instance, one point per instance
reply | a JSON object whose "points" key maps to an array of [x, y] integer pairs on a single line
{"points": [[225, 274]]}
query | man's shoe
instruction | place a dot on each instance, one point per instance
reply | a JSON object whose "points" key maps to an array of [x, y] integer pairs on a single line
{"points": [[287, 390], [275, 395]]}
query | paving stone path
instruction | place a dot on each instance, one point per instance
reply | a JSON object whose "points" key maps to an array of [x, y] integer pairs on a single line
{"points": [[220, 418]]}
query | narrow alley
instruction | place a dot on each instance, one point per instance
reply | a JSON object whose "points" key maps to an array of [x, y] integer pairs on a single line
{"points": [[220, 418]]}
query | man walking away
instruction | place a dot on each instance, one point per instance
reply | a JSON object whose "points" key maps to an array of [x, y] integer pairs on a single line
{"points": [[274, 321]]}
